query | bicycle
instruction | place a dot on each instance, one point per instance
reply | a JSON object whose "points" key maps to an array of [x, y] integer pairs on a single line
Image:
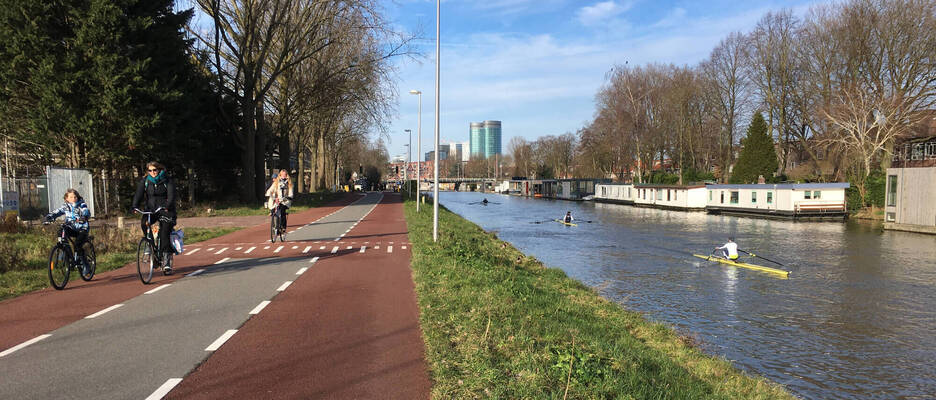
{"points": [[275, 229], [62, 258], [147, 257]]}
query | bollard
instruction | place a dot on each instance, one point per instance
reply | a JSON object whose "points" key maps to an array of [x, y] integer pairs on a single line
{"points": [[120, 222]]}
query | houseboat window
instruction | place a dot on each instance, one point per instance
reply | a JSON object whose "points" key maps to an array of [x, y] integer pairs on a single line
{"points": [[675, 195], [816, 194], [659, 194], [807, 195], [931, 150], [628, 193], [753, 197], [892, 190], [710, 195], [604, 191], [723, 197], [769, 197], [734, 197], [668, 194]]}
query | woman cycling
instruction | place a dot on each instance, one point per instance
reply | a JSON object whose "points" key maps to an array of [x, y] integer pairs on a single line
{"points": [[76, 221], [158, 191], [281, 189]]}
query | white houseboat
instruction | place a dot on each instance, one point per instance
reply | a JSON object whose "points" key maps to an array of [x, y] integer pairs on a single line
{"points": [[796, 201], [674, 197], [620, 193]]}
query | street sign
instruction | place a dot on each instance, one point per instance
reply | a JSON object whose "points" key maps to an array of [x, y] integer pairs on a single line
{"points": [[10, 203]]}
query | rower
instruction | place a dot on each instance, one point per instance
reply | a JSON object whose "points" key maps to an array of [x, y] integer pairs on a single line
{"points": [[568, 218], [484, 201], [729, 250]]}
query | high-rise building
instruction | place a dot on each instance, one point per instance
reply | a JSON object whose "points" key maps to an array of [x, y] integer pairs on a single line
{"points": [[485, 138], [477, 139]]}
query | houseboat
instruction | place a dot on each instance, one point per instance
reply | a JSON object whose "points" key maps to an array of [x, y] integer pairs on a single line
{"points": [[532, 187], [672, 197], [575, 189], [909, 199], [620, 193], [822, 201]]}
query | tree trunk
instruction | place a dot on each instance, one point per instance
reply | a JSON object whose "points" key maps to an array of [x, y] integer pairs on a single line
{"points": [[248, 155], [300, 177]]}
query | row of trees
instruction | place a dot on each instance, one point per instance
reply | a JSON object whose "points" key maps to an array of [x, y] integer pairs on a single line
{"points": [[256, 85], [835, 87]]}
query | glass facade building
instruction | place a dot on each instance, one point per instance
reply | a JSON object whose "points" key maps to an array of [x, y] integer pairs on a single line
{"points": [[477, 139], [485, 138]]}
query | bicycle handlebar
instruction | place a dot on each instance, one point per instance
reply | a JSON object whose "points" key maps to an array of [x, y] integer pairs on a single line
{"points": [[139, 211]]}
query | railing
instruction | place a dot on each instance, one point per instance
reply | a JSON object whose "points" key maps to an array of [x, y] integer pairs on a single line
{"points": [[820, 207]]}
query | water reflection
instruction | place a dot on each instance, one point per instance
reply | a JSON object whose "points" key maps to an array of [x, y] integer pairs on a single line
{"points": [[855, 319]]}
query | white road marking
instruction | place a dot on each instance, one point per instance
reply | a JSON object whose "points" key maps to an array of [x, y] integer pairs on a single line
{"points": [[164, 389], [389, 249], [238, 249], [306, 250], [24, 344], [349, 248], [295, 247], [259, 307], [193, 251], [404, 247], [223, 260], [362, 248], [220, 341], [221, 251], [250, 249], [302, 270], [313, 260], [377, 247], [198, 272], [334, 250], [284, 286], [210, 249], [322, 248], [108, 309], [158, 288], [266, 247], [278, 249]]}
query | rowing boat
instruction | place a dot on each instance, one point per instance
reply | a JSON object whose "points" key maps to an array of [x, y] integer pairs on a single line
{"points": [[565, 223], [755, 267]]}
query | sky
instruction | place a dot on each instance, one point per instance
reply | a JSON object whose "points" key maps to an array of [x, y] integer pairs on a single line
{"points": [[536, 65]]}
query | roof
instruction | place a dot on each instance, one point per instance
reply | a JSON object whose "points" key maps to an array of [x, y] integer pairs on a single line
{"points": [[794, 186], [665, 186], [615, 184]]}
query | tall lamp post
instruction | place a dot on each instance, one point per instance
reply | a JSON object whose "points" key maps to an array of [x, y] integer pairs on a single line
{"points": [[409, 156], [418, 143], [435, 165]]}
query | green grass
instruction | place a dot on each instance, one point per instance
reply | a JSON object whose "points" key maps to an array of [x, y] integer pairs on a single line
{"points": [[497, 324], [25, 255], [301, 202]]}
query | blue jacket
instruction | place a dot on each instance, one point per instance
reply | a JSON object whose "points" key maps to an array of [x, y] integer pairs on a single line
{"points": [[73, 212]]}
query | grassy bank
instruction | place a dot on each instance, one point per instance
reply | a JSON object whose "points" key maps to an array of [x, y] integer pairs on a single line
{"points": [[301, 202], [498, 324], [24, 255]]}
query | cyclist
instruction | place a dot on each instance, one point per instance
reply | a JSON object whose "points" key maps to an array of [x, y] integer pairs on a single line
{"points": [[281, 189], [76, 222], [157, 190]]}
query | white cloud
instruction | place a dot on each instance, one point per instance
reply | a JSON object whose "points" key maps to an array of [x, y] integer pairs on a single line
{"points": [[601, 12]]}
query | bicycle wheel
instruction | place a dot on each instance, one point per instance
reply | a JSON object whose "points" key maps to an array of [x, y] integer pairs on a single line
{"points": [[90, 258], [273, 227], [145, 260], [59, 267], [282, 229]]}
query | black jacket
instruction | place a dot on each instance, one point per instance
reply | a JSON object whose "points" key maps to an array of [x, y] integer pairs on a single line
{"points": [[157, 195]]}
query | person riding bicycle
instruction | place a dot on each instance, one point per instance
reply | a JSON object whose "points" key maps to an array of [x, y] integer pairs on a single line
{"points": [[158, 191], [282, 190], [76, 221]]}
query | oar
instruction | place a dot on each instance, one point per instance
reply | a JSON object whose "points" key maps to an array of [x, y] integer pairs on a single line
{"points": [[763, 258]]}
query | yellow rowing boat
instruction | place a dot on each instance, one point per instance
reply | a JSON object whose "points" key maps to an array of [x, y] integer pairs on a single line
{"points": [[785, 274], [565, 223]]}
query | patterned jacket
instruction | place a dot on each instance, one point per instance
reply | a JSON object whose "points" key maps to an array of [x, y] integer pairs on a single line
{"points": [[76, 215]]}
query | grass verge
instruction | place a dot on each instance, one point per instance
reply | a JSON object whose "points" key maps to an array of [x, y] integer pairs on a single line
{"points": [[301, 202], [26, 254], [497, 324]]}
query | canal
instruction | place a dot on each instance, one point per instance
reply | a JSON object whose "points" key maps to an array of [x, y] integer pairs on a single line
{"points": [[855, 319]]}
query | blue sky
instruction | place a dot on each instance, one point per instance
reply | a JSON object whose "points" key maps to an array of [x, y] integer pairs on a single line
{"points": [[537, 64]]}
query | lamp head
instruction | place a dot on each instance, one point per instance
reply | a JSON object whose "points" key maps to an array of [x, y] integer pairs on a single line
{"points": [[407, 130], [414, 92]]}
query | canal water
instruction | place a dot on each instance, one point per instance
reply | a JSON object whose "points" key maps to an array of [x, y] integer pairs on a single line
{"points": [[855, 320]]}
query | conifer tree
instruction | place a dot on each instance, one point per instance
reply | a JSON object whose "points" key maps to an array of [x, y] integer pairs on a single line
{"points": [[758, 156]]}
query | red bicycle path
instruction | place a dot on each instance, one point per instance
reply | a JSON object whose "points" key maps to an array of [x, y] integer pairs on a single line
{"points": [[27, 316], [346, 328]]}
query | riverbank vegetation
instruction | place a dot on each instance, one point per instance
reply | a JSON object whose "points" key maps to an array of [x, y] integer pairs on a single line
{"points": [[841, 87], [497, 324], [24, 252]]}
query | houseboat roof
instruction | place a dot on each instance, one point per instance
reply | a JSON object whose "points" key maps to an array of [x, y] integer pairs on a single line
{"points": [[665, 186], [794, 186], [616, 184]]}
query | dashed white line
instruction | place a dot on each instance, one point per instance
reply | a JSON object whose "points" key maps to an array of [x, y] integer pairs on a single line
{"points": [[306, 250], [193, 251], [334, 250], [278, 249], [158, 288], [259, 307], [220, 341], [197, 272], [223, 260], [221, 251], [102, 312], [302, 270], [322, 248], [238, 249], [24, 344], [284, 286], [266, 247], [348, 248], [404, 247], [313, 260], [164, 389], [250, 249], [362, 248], [389, 249], [295, 247]]}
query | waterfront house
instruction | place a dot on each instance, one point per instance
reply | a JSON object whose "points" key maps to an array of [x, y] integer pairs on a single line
{"points": [[575, 189], [533, 187], [620, 193], [910, 198], [796, 201], [674, 197]]}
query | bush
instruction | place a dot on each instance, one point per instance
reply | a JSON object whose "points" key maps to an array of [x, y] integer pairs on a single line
{"points": [[875, 183]]}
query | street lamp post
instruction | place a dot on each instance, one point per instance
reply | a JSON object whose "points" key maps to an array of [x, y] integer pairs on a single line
{"points": [[418, 143], [435, 166], [409, 156]]}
